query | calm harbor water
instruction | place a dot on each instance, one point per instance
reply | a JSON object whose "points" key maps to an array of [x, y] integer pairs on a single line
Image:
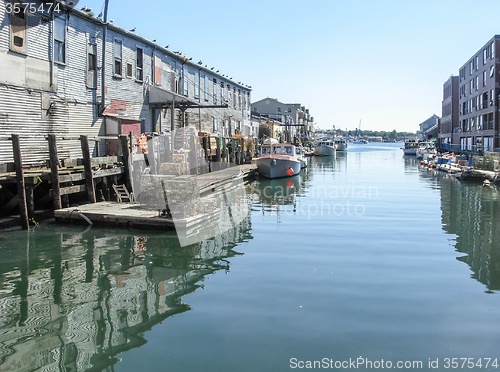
{"points": [[365, 257]]}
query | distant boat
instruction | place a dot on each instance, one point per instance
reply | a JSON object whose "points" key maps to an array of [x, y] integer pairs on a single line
{"points": [[278, 160], [325, 148], [340, 144], [410, 147]]}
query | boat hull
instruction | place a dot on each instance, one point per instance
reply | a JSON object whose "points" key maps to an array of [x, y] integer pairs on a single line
{"points": [[277, 166], [410, 152], [341, 146], [322, 150]]}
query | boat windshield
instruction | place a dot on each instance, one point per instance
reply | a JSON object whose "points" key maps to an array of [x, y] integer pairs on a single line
{"points": [[265, 150], [277, 150], [288, 150]]}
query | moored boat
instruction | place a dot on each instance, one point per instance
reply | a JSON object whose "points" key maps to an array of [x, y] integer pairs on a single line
{"points": [[410, 147], [325, 148], [278, 160], [340, 144]]}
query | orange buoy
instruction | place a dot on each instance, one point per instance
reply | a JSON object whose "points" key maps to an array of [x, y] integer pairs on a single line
{"points": [[289, 172], [289, 184]]}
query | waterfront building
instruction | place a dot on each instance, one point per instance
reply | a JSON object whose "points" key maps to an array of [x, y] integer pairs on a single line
{"points": [[478, 101], [51, 82], [449, 123], [428, 129], [294, 117]]}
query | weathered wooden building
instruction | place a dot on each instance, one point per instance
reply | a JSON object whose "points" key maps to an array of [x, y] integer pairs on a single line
{"points": [[51, 83]]}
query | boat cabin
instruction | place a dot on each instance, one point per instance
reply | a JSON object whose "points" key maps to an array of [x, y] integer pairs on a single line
{"points": [[277, 149]]}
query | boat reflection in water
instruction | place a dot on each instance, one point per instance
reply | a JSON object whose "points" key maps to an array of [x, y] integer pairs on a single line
{"points": [[72, 300]]}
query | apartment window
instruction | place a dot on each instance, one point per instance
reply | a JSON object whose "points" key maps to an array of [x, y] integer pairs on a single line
{"points": [[477, 82], [492, 70], [228, 95], [60, 40], [216, 125], [117, 55], [222, 98], [18, 28], [91, 66], [484, 78], [139, 65], [279, 109], [492, 50], [477, 62]]}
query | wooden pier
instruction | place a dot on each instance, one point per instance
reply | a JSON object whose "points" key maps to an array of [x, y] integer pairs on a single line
{"points": [[135, 215], [48, 186]]}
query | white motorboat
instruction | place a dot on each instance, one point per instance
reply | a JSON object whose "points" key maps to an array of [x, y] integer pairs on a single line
{"points": [[410, 147], [278, 160], [426, 149], [325, 148], [301, 156], [340, 144]]}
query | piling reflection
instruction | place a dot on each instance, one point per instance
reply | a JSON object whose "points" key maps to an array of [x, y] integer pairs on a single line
{"points": [[74, 301], [472, 213]]}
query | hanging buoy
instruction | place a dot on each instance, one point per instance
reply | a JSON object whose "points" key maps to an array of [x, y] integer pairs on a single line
{"points": [[289, 172], [273, 162], [289, 184]]}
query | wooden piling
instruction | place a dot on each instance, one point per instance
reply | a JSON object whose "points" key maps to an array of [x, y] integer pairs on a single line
{"points": [[242, 151], [54, 172], [18, 164], [87, 165], [151, 155], [126, 160]]}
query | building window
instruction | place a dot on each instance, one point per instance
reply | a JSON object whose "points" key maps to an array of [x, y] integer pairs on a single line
{"points": [[185, 79], [492, 70], [216, 125], [117, 55], [129, 70], [139, 72], [279, 109], [60, 40], [205, 88], [196, 84], [18, 28], [91, 66], [215, 91]]}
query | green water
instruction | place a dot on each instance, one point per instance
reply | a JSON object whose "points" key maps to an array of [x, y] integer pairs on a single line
{"points": [[366, 257]]}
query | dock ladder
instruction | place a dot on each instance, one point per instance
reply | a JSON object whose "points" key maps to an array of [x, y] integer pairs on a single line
{"points": [[122, 194]]}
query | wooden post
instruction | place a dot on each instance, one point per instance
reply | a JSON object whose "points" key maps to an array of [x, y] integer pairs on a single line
{"points": [[151, 154], [204, 141], [192, 159], [54, 172], [87, 164], [126, 161], [18, 164], [242, 151], [168, 148], [30, 199], [217, 151]]}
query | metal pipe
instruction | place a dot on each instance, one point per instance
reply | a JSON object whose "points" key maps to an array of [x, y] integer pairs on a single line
{"points": [[103, 69]]}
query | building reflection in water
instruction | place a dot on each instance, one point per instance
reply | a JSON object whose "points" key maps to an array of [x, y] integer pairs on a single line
{"points": [[472, 213], [73, 301]]}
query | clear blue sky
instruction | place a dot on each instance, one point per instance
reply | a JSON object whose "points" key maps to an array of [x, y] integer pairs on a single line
{"points": [[381, 62]]}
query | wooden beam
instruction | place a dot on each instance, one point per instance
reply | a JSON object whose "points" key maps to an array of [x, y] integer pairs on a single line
{"points": [[126, 160], [89, 180], [54, 172], [21, 192]]}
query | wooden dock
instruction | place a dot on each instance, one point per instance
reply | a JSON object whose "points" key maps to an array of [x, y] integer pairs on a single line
{"points": [[135, 215]]}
